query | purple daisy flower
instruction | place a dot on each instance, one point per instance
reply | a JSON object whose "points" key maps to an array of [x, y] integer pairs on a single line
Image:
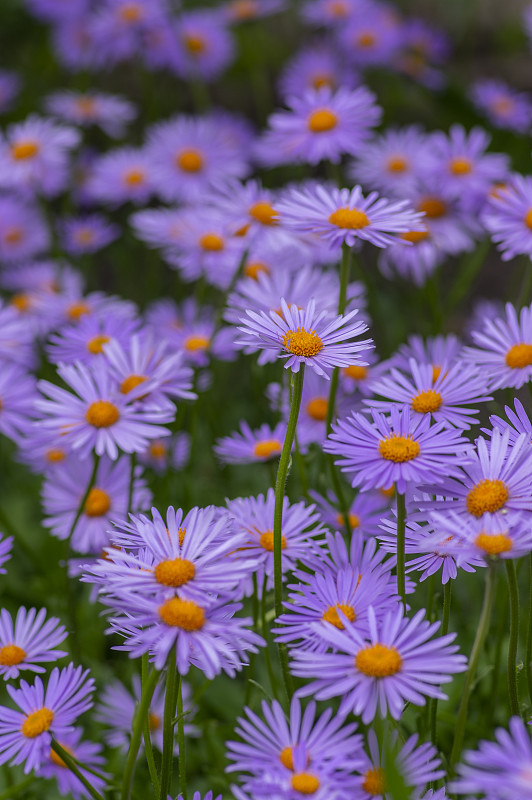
{"points": [[444, 399], [23, 232], [75, 45], [121, 176], [487, 537], [85, 340], [365, 512], [371, 38], [398, 449], [357, 382], [416, 263], [41, 450], [319, 125], [118, 27], [332, 13], [508, 217], [173, 453], [313, 68], [107, 111], [53, 11], [64, 488], [95, 415], [504, 349], [16, 337], [29, 641], [238, 11], [502, 104], [204, 47], [399, 662], [17, 398], [517, 423], [303, 336], [499, 770], [345, 216], [87, 234], [26, 734], [6, 543], [423, 49], [9, 88], [88, 753], [441, 352], [248, 447], [450, 227], [34, 155]]}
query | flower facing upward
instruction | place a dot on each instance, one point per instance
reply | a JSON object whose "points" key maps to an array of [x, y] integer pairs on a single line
{"points": [[307, 337], [109, 112], [28, 641], [345, 215], [23, 232], [25, 735], [314, 67], [87, 234], [247, 446], [204, 46], [399, 662], [120, 176], [503, 105], [508, 217]]}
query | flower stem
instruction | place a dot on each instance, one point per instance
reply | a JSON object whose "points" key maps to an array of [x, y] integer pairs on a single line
{"points": [[444, 629], [138, 720], [181, 741], [401, 523], [168, 725], [146, 731], [280, 484], [71, 764], [513, 594], [478, 644]]}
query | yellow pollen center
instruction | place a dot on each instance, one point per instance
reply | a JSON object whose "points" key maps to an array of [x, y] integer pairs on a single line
{"points": [[493, 544], [354, 521], [86, 105], [487, 496], [11, 654], [373, 782], [193, 343], [157, 450], [397, 164], [154, 721], [266, 541], [102, 414], [302, 342], [317, 408], [415, 236], [21, 302], [174, 572], [131, 382], [305, 783], [84, 236], [351, 218], [432, 207], [190, 160], [460, 166], [287, 758], [130, 12], [267, 448], [389, 492], [322, 80], [398, 448], [134, 177], [55, 455], [502, 105], [322, 120], [338, 8], [96, 344], [57, 760], [528, 219], [97, 503], [37, 723], [77, 310], [194, 44], [13, 235], [264, 213], [183, 614], [378, 661], [436, 372], [25, 150], [427, 402], [211, 241], [331, 615], [519, 356], [366, 39], [254, 268], [244, 9], [357, 373]]}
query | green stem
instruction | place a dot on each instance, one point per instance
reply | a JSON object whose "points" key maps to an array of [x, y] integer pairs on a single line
{"points": [[168, 725], [138, 721], [266, 637], [251, 669], [478, 644], [444, 629], [18, 787], [181, 741], [528, 655], [71, 764], [513, 594], [401, 524], [146, 731]]}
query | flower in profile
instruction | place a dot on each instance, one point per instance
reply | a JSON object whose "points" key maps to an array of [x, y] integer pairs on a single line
{"points": [[487, 538], [239, 11], [34, 156], [6, 543], [396, 449], [121, 176], [109, 112], [502, 104], [23, 232], [29, 641], [85, 340], [357, 382], [499, 769], [415, 263], [441, 352], [503, 349], [445, 399], [87, 234], [452, 228], [398, 662], [508, 217], [313, 67], [321, 124], [26, 734], [163, 454], [249, 446], [88, 753], [204, 46], [95, 416], [345, 216], [304, 336], [365, 512]]}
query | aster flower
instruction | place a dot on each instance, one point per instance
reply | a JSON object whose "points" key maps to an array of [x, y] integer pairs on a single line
{"points": [[398, 449], [503, 349], [502, 104], [75, 44], [508, 217], [95, 415], [40, 449], [416, 263], [444, 399], [500, 769], [314, 67], [488, 537], [118, 27], [16, 336], [331, 13], [204, 45], [344, 215], [64, 489], [371, 38], [88, 753], [6, 543], [34, 155], [441, 352], [399, 662], [109, 112], [517, 422], [250, 446], [17, 398], [25, 734], [23, 232], [365, 512], [121, 176], [357, 382], [238, 11], [393, 162], [319, 125], [85, 340], [451, 227], [29, 641], [173, 453], [304, 336], [87, 234], [423, 49]]}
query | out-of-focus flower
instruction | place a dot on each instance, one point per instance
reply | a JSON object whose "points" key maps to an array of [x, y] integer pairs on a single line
{"points": [[504, 106], [87, 234], [109, 112]]}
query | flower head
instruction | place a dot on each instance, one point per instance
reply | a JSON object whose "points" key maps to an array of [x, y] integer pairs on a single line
{"points": [[508, 217], [29, 641], [503, 105]]}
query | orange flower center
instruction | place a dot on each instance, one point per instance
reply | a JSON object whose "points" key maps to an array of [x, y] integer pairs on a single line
{"points": [[157, 450], [130, 12], [264, 213], [427, 402], [13, 235], [131, 382], [174, 572], [519, 356], [22, 302], [494, 544], [351, 218], [154, 721], [357, 373], [25, 150], [302, 342], [193, 343], [134, 177], [184, 614], [11, 654], [190, 160], [331, 615], [528, 219], [254, 268], [36, 723], [320, 80], [366, 39], [57, 760], [77, 310], [267, 448], [487, 496], [373, 782], [55, 455], [354, 521], [397, 164], [398, 448], [317, 408], [244, 9], [432, 207], [102, 414], [211, 241], [322, 120], [96, 344], [305, 783], [378, 661], [266, 541], [460, 166], [97, 503], [415, 236], [194, 44]]}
